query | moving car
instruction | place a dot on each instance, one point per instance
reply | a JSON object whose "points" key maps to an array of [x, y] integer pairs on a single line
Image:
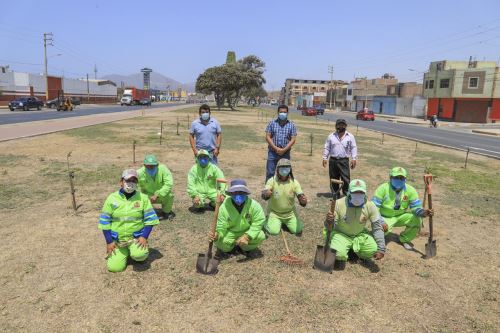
{"points": [[320, 110], [52, 103], [365, 115], [145, 101], [25, 103], [309, 112]]}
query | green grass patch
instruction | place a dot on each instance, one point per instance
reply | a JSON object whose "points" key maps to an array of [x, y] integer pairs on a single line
{"points": [[11, 159], [102, 132]]}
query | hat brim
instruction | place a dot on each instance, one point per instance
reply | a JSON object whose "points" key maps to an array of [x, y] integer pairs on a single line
{"points": [[357, 189], [238, 188], [129, 177]]}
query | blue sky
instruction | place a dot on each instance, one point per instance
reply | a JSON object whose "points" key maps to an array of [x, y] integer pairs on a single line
{"points": [[296, 39]]}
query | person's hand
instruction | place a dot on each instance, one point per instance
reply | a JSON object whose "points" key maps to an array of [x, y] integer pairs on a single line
{"points": [[324, 163], [213, 236], [153, 198], [196, 201], [428, 212], [142, 242], [216, 152], [220, 197], [353, 164], [302, 200], [378, 255], [110, 248], [266, 194], [280, 151], [195, 152], [243, 240], [330, 217], [385, 227]]}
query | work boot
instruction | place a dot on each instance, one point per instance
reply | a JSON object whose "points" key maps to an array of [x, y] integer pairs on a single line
{"points": [[221, 255], [339, 265], [168, 216], [408, 246]]}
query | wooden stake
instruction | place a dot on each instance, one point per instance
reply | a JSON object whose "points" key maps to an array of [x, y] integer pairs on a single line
{"points": [[466, 158], [178, 126], [72, 187], [382, 138], [161, 131], [133, 151], [311, 137]]}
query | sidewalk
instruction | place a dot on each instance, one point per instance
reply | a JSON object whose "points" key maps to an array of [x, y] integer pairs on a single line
{"points": [[29, 129]]}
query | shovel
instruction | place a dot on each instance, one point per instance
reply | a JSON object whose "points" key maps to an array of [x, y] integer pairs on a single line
{"points": [[206, 264], [324, 259], [430, 247]]}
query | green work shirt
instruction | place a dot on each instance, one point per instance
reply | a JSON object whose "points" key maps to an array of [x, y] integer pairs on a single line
{"points": [[161, 184], [351, 220], [385, 199], [203, 180], [282, 201], [250, 221], [127, 217]]}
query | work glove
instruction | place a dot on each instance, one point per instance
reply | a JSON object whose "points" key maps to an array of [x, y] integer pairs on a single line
{"points": [[196, 201], [378, 255], [266, 194], [243, 240], [302, 199], [428, 212], [385, 227], [213, 236]]}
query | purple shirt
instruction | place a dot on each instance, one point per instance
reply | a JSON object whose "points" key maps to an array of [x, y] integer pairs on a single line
{"points": [[340, 148]]}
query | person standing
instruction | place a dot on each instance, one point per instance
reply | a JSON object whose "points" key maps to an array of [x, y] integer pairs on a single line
{"points": [[339, 146], [206, 133], [280, 136]]}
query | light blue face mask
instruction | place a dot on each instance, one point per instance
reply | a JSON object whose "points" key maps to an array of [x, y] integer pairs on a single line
{"points": [[152, 172], [282, 116], [397, 183], [239, 199], [205, 116], [203, 161], [357, 199], [284, 171]]}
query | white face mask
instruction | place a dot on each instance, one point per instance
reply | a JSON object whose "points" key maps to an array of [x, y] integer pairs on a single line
{"points": [[357, 199], [129, 187]]}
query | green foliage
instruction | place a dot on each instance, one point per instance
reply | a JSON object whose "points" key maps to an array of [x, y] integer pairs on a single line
{"points": [[231, 57]]}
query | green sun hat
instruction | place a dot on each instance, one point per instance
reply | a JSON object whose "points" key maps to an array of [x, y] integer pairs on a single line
{"points": [[150, 160], [357, 185], [203, 152], [398, 171]]}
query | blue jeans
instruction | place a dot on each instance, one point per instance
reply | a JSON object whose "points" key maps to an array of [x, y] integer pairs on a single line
{"points": [[272, 160]]}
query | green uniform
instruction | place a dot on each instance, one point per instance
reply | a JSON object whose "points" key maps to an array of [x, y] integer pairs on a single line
{"points": [[281, 205], [202, 182], [161, 185], [126, 218], [400, 209], [356, 228], [232, 224]]}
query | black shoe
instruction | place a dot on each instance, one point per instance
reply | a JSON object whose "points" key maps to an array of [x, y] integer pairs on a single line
{"points": [[352, 256], [299, 234], [221, 255], [339, 265], [168, 216], [196, 210]]}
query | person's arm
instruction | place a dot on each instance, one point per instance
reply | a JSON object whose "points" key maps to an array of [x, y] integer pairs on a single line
{"points": [[415, 204], [258, 220], [377, 229], [293, 137], [326, 149], [269, 140], [192, 142], [168, 181], [354, 152], [218, 142], [267, 192], [299, 193], [191, 183], [378, 199], [149, 215], [105, 216], [222, 221]]}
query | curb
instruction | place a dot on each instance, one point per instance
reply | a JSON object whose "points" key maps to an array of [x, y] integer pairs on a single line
{"points": [[486, 132]]}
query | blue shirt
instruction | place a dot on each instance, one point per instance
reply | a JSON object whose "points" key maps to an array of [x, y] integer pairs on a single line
{"points": [[281, 135], [205, 135]]}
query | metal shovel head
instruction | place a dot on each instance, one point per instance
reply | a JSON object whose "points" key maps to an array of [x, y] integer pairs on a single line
{"points": [[324, 260], [206, 265], [430, 249]]}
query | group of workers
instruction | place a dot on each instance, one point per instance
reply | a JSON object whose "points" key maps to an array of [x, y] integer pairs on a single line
{"points": [[359, 224]]}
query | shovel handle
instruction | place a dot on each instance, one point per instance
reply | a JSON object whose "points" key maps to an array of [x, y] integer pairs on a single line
{"points": [[217, 204], [428, 182]]}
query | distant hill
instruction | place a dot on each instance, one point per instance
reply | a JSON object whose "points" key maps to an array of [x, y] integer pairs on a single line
{"points": [[158, 81]]}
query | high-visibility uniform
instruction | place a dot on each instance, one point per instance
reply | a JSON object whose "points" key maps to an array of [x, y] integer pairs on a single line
{"points": [[202, 182], [281, 205], [126, 218], [161, 185], [231, 225], [400, 209], [356, 228]]}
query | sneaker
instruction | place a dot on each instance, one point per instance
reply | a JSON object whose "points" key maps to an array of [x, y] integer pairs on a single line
{"points": [[299, 234], [220, 255], [408, 246]]}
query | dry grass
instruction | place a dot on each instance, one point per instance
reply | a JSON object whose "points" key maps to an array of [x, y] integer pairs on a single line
{"points": [[54, 277]]}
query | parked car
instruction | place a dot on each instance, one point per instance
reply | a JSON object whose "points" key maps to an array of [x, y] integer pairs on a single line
{"points": [[309, 112], [75, 101], [25, 103], [320, 110], [300, 107], [144, 101], [365, 115], [52, 103]]}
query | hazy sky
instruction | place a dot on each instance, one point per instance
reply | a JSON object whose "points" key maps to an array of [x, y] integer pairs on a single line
{"points": [[296, 39]]}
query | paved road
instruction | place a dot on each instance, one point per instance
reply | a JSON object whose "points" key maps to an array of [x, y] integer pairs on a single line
{"points": [[479, 144], [14, 117]]}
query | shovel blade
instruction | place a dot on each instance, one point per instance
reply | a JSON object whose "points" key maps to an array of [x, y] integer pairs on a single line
{"points": [[207, 264], [324, 260], [430, 249]]}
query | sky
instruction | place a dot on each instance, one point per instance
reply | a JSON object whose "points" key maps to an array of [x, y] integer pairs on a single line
{"points": [[296, 39]]}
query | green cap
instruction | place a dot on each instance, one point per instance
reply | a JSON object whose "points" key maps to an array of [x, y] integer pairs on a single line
{"points": [[284, 163], [357, 185], [398, 171], [150, 160], [202, 152]]}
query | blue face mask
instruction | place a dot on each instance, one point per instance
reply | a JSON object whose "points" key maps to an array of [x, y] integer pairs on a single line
{"points": [[282, 116], [239, 199], [205, 116], [203, 161], [152, 172], [397, 183], [284, 171]]}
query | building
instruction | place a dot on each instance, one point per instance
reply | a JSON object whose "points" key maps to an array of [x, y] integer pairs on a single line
{"points": [[17, 84], [463, 91], [298, 87], [364, 89]]}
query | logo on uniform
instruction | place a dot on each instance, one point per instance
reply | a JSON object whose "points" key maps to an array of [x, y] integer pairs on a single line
{"points": [[137, 204], [405, 197], [247, 216], [358, 183], [114, 205]]}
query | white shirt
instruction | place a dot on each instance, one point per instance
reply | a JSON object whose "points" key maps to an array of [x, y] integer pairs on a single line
{"points": [[340, 148]]}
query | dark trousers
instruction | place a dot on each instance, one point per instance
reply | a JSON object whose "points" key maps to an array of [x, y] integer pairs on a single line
{"points": [[272, 160], [339, 168]]}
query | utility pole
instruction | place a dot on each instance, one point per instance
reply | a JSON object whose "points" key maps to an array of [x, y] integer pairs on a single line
{"points": [[88, 89], [95, 71], [330, 70], [47, 40]]}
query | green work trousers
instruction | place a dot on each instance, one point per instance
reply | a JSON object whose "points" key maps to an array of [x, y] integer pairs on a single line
{"points": [[227, 243], [210, 196], [408, 220], [274, 222], [363, 245], [117, 261]]}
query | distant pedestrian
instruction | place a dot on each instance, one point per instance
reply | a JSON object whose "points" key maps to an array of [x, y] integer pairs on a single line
{"points": [[280, 136], [339, 146], [206, 133]]}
